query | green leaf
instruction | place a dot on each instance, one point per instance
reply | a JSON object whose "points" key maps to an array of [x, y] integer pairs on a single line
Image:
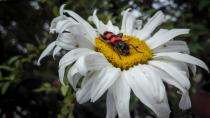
{"points": [[31, 47], [5, 87], [55, 11], [71, 115], [7, 68], [203, 4], [45, 87], [13, 59], [65, 75], [64, 90]]}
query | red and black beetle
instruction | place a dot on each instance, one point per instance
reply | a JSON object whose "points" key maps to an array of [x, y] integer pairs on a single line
{"points": [[116, 41]]}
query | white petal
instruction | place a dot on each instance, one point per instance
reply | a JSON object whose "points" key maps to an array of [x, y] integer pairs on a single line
{"points": [[183, 58], [183, 67], [128, 22], [173, 46], [65, 24], [46, 52], [112, 28], [138, 34], [83, 42], [83, 94], [142, 88], [116, 29], [111, 111], [86, 26], [69, 58], [65, 46], [121, 93], [61, 9], [76, 37], [103, 81], [74, 76], [160, 32], [54, 23], [150, 26], [167, 78], [57, 19], [56, 50], [95, 20], [159, 40], [158, 86], [91, 62], [73, 55], [173, 72], [138, 24], [136, 28], [66, 41], [101, 27], [193, 68], [173, 42], [124, 13], [185, 101], [67, 38], [73, 71]]}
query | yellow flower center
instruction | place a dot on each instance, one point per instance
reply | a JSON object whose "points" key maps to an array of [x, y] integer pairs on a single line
{"points": [[141, 56]]}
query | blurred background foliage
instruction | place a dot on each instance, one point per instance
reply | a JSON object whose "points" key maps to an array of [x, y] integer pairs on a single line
{"points": [[31, 91]]}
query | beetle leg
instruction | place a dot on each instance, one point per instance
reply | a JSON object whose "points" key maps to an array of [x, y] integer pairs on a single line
{"points": [[102, 36], [106, 41], [115, 49], [135, 48]]}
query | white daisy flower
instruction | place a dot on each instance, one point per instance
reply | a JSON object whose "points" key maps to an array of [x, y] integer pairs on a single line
{"points": [[121, 60]]}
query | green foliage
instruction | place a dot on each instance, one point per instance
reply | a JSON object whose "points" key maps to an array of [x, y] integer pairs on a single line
{"points": [[68, 105]]}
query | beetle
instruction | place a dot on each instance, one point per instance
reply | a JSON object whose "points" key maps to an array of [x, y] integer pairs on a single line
{"points": [[117, 43]]}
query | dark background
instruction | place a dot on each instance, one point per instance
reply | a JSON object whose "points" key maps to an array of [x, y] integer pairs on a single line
{"points": [[31, 91]]}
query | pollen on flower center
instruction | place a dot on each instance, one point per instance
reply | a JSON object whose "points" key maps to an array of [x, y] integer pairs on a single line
{"points": [[125, 61]]}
